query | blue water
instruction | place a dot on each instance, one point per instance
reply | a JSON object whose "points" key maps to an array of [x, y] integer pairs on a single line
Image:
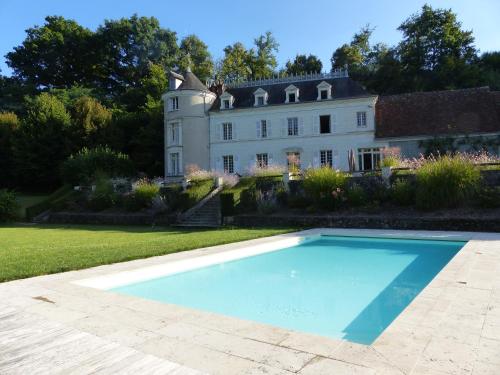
{"points": [[342, 287]]}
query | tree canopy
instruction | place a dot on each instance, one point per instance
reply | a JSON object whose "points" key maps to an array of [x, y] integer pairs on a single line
{"points": [[303, 64]]}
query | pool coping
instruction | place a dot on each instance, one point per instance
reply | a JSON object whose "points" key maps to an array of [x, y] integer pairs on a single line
{"points": [[449, 328]]}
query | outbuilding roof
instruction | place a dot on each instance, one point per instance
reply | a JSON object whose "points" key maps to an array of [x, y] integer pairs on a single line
{"points": [[438, 113]]}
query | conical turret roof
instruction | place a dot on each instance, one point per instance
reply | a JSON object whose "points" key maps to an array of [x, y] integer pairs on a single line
{"points": [[191, 82]]}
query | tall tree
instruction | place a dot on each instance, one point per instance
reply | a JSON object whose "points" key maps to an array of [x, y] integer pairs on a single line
{"points": [[9, 123], [89, 120], [42, 142], [263, 58], [236, 64], [303, 64], [435, 52], [355, 54], [57, 54], [490, 67], [128, 47], [194, 53]]}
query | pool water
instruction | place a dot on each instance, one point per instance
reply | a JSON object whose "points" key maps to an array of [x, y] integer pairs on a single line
{"points": [[348, 288]]}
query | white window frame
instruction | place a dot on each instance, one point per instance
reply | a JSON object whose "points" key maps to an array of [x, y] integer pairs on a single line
{"points": [[324, 86], [260, 94], [376, 157], [228, 164], [263, 129], [227, 131], [361, 119], [174, 163], [292, 126], [174, 134], [174, 103], [262, 160], [292, 90], [326, 158], [226, 98]]}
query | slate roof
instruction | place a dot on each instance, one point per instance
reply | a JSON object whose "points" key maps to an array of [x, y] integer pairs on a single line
{"points": [[342, 88], [438, 113], [191, 82]]}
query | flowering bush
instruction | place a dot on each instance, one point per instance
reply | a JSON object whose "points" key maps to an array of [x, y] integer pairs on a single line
{"points": [[200, 174], [391, 157], [228, 180], [270, 170]]}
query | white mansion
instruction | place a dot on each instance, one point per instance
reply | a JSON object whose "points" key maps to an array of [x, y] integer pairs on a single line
{"points": [[313, 120]]}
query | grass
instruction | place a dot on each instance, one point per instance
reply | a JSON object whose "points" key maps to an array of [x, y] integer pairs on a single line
{"points": [[26, 201], [27, 251]]}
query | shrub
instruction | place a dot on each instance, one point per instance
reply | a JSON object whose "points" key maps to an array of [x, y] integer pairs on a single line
{"points": [[248, 200], [282, 196], [142, 195], [489, 197], [103, 196], [266, 203], [171, 196], [8, 205], [446, 182], [323, 186], [83, 168], [194, 193], [267, 183], [356, 196], [227, 203], [403, 192]]}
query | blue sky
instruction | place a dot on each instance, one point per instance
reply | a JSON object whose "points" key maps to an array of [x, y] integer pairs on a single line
{"points": [[313, 26]]}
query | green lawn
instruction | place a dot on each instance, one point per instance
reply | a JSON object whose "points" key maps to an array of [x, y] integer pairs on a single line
{"points": [[27, 251]]}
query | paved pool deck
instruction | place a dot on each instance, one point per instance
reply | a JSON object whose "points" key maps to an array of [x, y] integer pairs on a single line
{"points": [[49, 324]]}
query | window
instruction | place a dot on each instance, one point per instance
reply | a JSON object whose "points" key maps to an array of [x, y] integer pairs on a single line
{"points": [[361, 116], [226, 103], [324, 91], [292, 94], [324, 124], [228, 164], [326, 159], [368, 158], [263, 128], [293, 161], [260, 97], [174, 164], [293, 126], [174, 103], [174, 134], [262, 160], [227, 131]]}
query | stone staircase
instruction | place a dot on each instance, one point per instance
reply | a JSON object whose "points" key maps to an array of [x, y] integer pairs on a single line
{"points": [[206, 213]]}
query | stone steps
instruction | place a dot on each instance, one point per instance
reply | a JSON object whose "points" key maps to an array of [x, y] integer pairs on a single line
{"points": [[208, 215]]}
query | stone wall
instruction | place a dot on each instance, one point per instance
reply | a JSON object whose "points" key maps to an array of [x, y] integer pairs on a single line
{"points": [[473, 224]]}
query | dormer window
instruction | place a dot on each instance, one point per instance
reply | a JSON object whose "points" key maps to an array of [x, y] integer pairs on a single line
{"points": [[260, 97], [292, 94], [226, 101], [324, 91]]}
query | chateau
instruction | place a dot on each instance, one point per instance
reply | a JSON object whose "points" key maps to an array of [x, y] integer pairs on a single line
{"points": [[313, 120]]}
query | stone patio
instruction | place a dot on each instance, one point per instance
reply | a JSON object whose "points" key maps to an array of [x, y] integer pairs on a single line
{"points": [[48, 324]]}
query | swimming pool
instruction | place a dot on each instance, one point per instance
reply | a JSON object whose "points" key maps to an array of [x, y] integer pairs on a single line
{"points": [[348, 288]]}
